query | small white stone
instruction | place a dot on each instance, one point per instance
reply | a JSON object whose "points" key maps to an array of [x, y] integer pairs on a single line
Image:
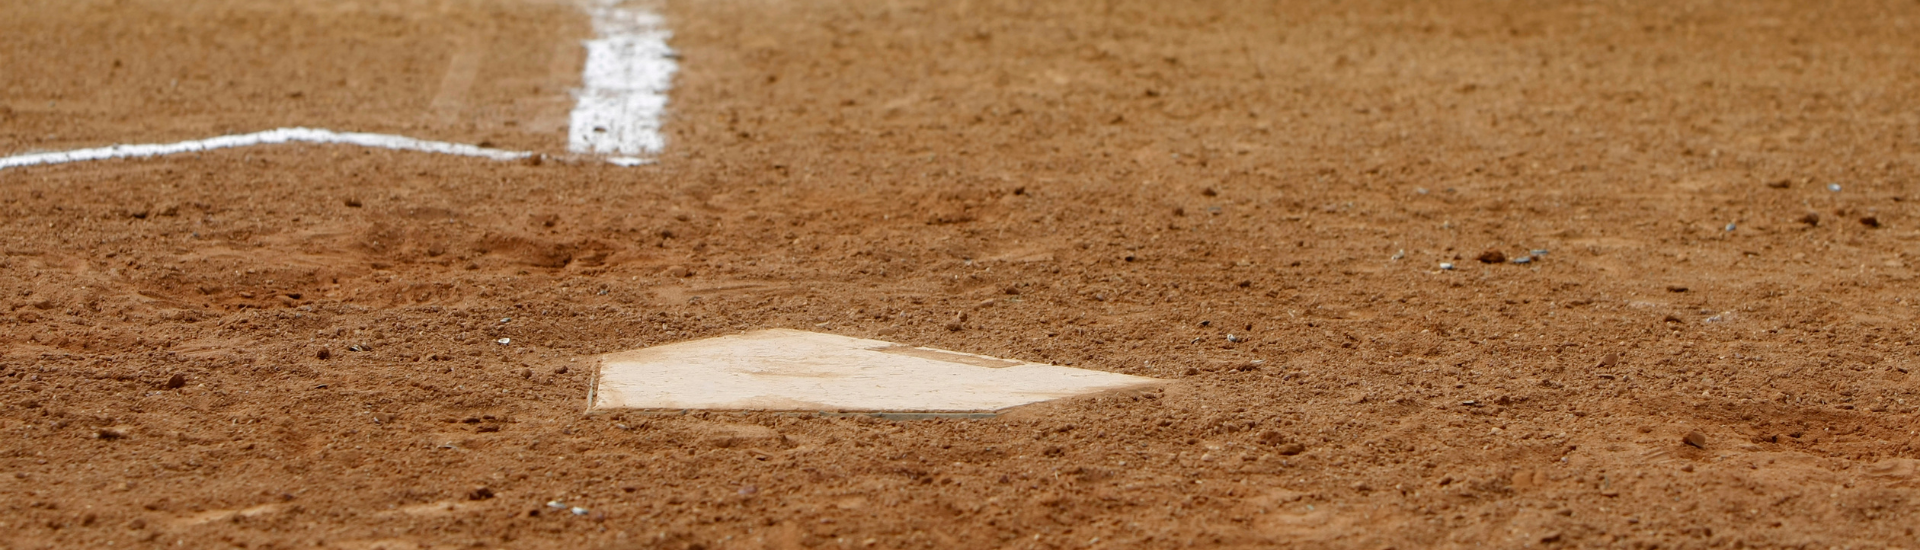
{"points": [[504, 341], [1446, 266]]}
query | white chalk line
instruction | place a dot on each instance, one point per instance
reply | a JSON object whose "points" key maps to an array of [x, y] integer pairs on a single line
{"points": [[269, 137], [628, 71]]}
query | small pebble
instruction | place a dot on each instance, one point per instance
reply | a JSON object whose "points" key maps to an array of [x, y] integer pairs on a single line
{"points": [[1538, 252], [1834, 187], [175, 382], [1523, 260], [1731, 227], [1232, 338], [562, 369], [1812, 218], [1446, 266], [504, 341], [323, 354], [506, 319], [1870, 221], [1492, 257], [1696, 439], [578, 511]]}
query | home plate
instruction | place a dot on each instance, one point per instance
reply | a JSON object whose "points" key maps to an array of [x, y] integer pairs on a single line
{"points": [[791, 370]]}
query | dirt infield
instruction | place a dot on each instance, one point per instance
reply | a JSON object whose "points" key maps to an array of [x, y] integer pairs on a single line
{"points": [[296, 346]]}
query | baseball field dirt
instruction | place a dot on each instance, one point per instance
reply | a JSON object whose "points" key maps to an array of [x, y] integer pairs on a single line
{"points": [[1435, 274]]}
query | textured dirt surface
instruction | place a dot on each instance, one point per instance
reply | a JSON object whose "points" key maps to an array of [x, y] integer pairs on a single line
{"points": [[296, 346]]}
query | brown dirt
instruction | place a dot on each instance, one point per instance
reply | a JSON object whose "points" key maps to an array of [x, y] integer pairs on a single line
{"points": [[293, 346]]}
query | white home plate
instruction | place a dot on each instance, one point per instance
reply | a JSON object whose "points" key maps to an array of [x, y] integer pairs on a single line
{"points": [[791, 370]]}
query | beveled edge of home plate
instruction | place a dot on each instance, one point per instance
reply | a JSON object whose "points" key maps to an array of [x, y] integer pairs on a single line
{"points": [[732, 361]]}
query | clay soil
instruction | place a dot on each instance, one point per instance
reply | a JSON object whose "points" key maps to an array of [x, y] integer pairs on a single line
{"points": [[298, 346]]}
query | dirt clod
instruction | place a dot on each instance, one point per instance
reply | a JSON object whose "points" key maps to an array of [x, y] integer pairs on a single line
{"points": [[1491, 257]]}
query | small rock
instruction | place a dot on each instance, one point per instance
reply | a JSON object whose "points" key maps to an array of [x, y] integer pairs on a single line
{"points": [[175, 382], [1538, 252], [324, 354], [1676, 288], [1811, 219], [1609, 360], [1492, 257], [1731, 227], [1444, 266], [1870, 221], [1696, 439], [480, 493], [1523, 260], [1210, 192], [526, 373], [954, 326], [1780, 183], [383, 418], [1290, 449], [503, 341], [1834, 187], [353, 202], [749, 490], [562, 369], [678, 271], [109, 434]]}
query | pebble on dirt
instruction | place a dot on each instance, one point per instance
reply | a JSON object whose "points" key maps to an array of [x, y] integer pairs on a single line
{"points": [[323, 354], [175, 382], [1870, 221], [1811, 219], [1696, 439], [1492, 257]]}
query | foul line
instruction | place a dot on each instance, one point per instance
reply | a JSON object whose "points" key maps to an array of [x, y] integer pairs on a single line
{"points": [[628, 72], [269, 137]]}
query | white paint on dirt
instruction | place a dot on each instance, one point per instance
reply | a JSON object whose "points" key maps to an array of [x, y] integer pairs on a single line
{"points": [[628, 71], [269, 137]]}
